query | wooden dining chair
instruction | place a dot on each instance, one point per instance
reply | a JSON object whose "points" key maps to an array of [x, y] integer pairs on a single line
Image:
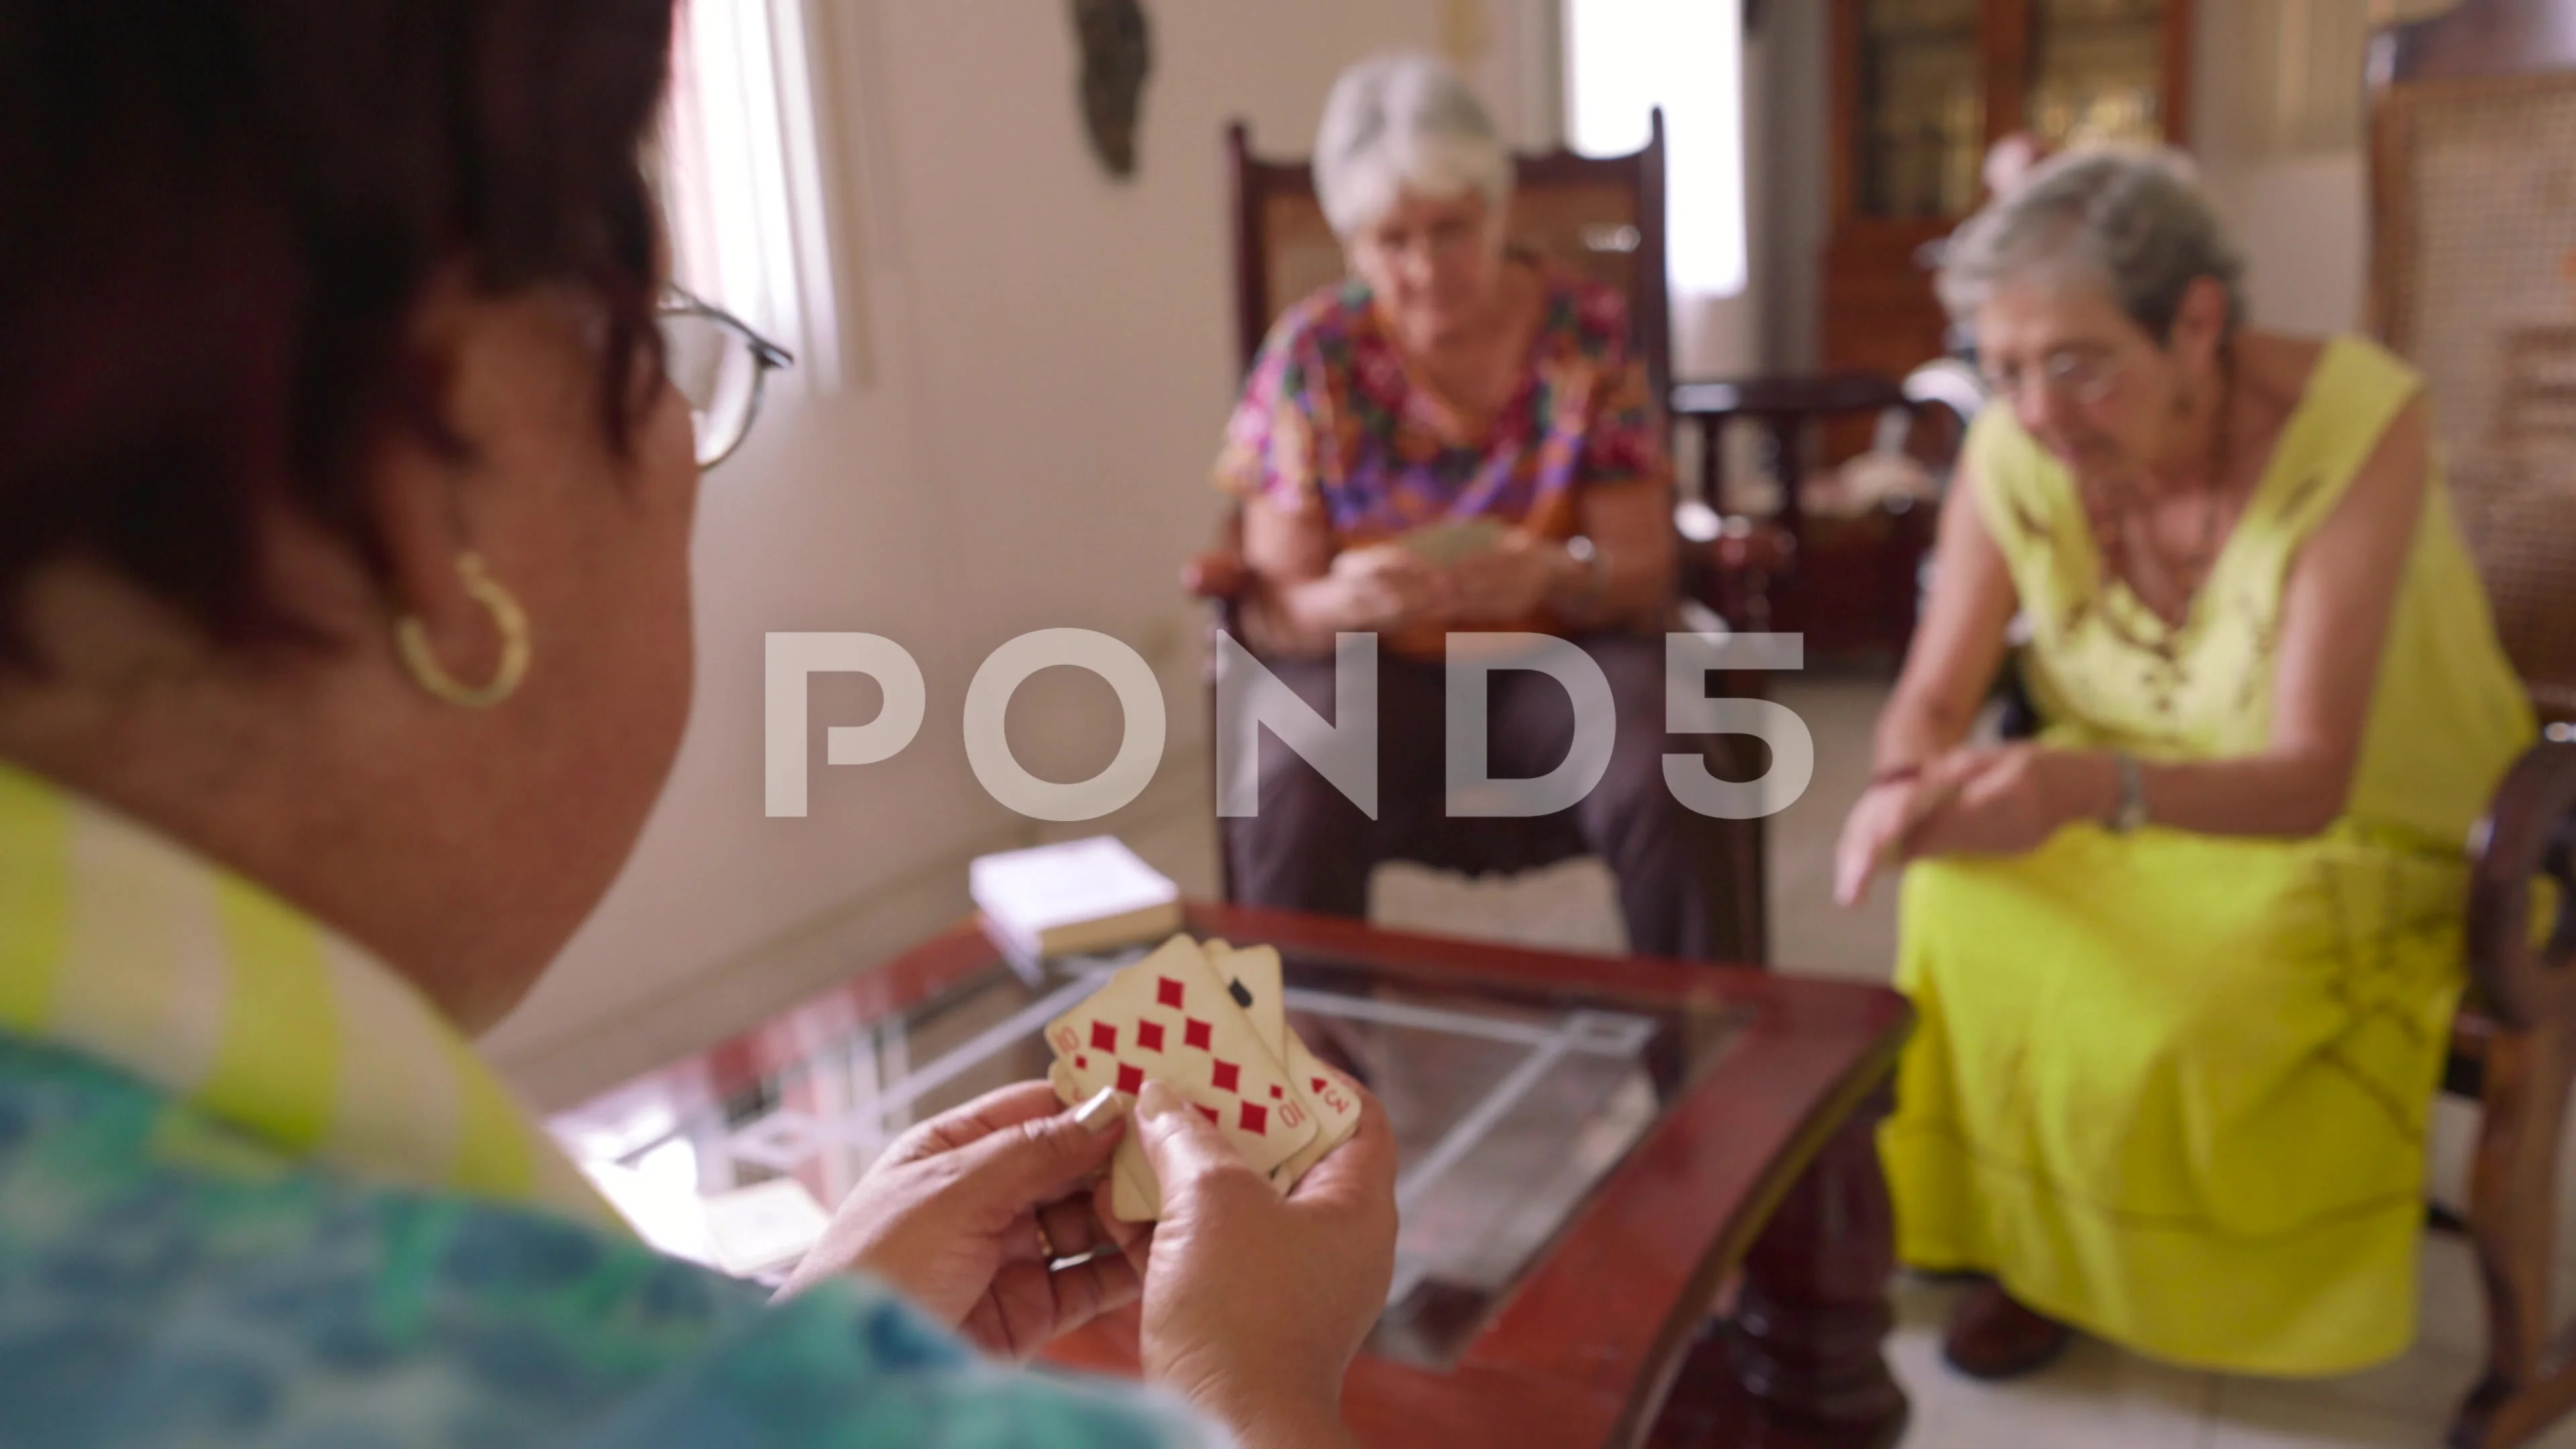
{"points": [[2473, 279], [1601, 218]]}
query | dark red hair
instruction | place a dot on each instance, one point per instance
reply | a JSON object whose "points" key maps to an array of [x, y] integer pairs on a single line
{"points": [[217, 218]]}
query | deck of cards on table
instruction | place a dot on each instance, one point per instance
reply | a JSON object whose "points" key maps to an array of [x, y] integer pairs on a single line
{"points": [[1208, 1021], [1072, 896]]}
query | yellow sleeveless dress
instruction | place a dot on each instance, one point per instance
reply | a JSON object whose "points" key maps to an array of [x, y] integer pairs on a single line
{"points": [[2173, 1088]]}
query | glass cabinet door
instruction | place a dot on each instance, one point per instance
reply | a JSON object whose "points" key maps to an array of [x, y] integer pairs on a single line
{"points": [[2097, 73], [1923, 108]]}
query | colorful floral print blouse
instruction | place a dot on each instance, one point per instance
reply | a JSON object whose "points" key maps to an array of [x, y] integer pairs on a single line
{"points": [[1329, 419]]}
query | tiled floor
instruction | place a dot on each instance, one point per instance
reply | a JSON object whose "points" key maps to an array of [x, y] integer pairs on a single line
{"points": [[2096, 1395]]}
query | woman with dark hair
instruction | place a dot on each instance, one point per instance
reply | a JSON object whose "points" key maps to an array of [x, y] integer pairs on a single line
{"points": [[344, 643]]}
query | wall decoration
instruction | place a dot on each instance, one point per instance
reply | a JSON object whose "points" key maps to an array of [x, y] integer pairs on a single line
{"points": [[1117, 56]]}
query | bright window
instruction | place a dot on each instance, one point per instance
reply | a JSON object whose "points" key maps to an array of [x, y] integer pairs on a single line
{"points": [[1623, 58], [744, 176]]}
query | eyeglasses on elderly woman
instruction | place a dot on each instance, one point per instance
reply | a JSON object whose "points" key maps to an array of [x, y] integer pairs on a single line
{"points": [[720, 365], [2076, 374]]}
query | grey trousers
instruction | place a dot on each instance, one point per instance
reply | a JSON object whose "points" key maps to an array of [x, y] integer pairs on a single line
{"points": [[1310, 849]]}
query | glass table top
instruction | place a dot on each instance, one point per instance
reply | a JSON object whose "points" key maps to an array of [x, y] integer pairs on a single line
{"points": [[1510, 1106]]}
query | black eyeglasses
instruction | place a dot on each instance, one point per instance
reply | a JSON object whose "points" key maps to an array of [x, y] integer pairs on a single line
{"points": [[719, 365]]}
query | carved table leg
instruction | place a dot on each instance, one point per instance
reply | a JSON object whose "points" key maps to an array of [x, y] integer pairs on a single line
{"points": [[1814, 1315], [1801, 1365]]}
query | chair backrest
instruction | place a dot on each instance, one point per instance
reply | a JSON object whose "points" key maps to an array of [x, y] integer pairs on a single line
{"points": [[2473, 279], [1599, 216]]}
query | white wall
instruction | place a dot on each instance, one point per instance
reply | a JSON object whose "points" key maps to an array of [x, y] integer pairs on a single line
{"points": [[1053, 358], [2303, 219], [1789, 113]]}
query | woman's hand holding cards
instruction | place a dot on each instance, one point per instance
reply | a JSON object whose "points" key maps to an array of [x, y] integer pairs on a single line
{"points": [[1387, 586], [1510, 579], [1255, 1303], [1273, 1176], [965, 1212]]}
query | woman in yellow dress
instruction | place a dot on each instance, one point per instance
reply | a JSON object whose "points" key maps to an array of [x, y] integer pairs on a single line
{"points": [[2185, 962]]}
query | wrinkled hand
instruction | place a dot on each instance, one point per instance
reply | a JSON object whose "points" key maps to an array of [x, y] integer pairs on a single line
{"points": [[1389, 586], [2006, 800], [1218, 573], [950, 1215], [1509, 580], [1875, 834], [1254, 1303]]}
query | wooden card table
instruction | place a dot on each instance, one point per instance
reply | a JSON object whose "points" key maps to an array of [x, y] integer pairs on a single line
{"points": [[1641, 1203]]}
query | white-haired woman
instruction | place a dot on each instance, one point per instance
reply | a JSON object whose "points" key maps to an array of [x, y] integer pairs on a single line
{"points": [[2185, 963], [1455, 439]]}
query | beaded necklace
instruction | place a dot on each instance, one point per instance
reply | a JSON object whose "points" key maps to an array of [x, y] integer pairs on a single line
{"points": [[2113, 521]]}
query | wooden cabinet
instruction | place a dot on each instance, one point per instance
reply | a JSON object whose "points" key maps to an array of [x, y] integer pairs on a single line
{"points": [[1921, 89]]}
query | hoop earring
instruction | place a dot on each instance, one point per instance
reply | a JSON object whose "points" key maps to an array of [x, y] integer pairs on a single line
{"points": [[412, 642]]}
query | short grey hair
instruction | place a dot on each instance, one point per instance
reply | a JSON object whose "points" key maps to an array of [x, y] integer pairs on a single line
{"points": [[1404, 122], [2136, 219]]}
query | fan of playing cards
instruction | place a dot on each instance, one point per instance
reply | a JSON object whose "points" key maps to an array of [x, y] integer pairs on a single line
{"points": [[1206, 1020]]}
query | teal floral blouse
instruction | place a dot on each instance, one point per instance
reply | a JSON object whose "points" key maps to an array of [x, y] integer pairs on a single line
{"points": [[166, 1279]]}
